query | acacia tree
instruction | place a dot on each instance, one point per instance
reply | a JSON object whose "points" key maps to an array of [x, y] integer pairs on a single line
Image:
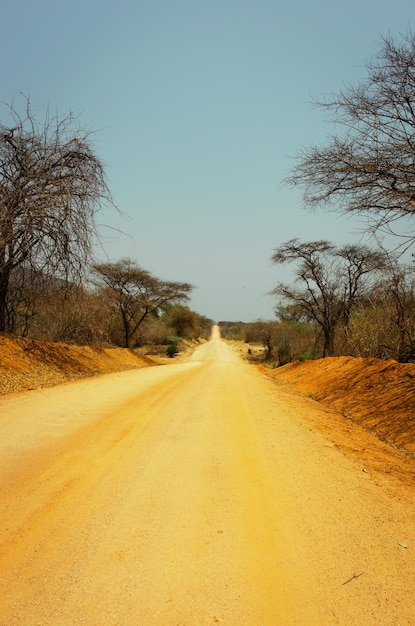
{"points": [[135, 293], [52, 185], [329, 279], [370, 168], [186, 323]]}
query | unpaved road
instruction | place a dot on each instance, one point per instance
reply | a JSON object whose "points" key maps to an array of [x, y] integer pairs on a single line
{"points": [[193, 494]]}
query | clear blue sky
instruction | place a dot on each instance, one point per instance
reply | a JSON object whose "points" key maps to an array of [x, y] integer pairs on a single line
{"points": [[199, 107]]}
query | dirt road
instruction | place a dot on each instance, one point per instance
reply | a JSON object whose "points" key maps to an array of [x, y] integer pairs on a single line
{"points": [[193, 494]]}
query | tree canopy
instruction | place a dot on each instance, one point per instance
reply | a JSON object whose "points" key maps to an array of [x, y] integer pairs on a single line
{"points": [[136, 293], [329, 281], [369, 168]]}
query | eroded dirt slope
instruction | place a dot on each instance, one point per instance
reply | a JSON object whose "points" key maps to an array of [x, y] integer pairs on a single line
{"points": [[378, 395], [27, 364]]}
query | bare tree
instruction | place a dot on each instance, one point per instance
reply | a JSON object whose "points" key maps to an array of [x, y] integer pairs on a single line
{"points": [[355, 273], [52, 185], [397, 300], [25, 291], [71, 315], [263, 332], [369, 169], [136, 293], [383, 324], [329, 280], [317, 293]]}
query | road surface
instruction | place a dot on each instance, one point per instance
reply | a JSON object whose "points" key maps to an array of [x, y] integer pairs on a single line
{"points": [[192, 494]]}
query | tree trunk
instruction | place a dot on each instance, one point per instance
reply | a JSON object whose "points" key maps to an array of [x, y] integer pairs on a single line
{"points": [[328, 345], [3, 315], [4, 286], [127, 333]]}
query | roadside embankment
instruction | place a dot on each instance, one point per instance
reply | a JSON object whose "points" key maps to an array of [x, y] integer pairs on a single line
{"points": [[376, 394], [28, 364]]}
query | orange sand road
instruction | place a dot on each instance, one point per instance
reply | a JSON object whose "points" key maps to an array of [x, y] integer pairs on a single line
{"points": [[191, 494]]}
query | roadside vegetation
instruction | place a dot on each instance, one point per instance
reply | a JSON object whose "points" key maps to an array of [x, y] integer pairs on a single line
{"points": [[329, 311], [356, 300]]}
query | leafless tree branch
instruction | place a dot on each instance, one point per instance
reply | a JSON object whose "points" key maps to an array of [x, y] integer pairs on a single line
{"points": [[52, 185], [370, 167]]}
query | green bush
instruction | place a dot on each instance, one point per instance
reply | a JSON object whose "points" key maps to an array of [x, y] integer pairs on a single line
{"points": [[172, 348]]}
